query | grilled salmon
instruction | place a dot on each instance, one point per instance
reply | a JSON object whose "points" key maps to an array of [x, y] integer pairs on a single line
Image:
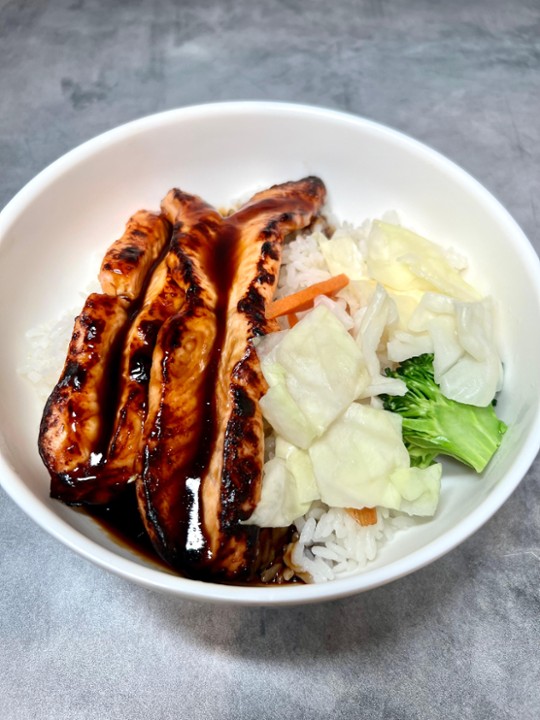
{"points": [[162, 381], [231, 483], [73, 424], [128, 260], [179, 379]]}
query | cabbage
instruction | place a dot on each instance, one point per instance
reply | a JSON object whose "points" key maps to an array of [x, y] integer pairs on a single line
{"points": [[420, 489], [358, 293], [446, 347], [342, 255], [314, 373], [471, 381], [288, 487], [402, 260], [338, 308], [404, 345], [466, 361], [284, 414], [407, 298], [279, 504], [474, 325], [299, 465], [361, 461], [406, 304], [371, 322]]}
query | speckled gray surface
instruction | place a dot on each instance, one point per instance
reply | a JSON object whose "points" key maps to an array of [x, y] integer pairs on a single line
{"points": [[459, 639]]}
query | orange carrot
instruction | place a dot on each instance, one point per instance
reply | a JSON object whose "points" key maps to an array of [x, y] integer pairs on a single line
{"points": [[292, 318], [303, 299], [364, 516]]}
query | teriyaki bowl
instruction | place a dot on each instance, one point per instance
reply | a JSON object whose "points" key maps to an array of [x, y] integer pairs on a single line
{"points": [[71, 211]]}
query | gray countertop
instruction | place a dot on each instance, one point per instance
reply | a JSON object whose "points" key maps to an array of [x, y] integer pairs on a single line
{"points": [[458, 639]]}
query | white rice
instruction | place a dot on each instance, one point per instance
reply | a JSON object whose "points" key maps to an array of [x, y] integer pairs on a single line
{"points": [[47, 347], [332, 544]]}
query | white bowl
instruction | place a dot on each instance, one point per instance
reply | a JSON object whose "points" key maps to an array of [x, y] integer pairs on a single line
{"points": [[75, 207]]}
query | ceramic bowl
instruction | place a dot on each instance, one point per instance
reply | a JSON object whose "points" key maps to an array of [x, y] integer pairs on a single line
{"points": [[71, 211]]}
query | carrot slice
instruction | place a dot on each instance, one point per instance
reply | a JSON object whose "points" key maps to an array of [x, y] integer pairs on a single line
{"points": [[364, 516], [303, 299], [292, 318]]}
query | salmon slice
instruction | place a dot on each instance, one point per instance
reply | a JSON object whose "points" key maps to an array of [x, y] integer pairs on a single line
{"points": [[164, 298], [231, 483], [129, 259], [178, 384], [76, 422], [72, 424]]}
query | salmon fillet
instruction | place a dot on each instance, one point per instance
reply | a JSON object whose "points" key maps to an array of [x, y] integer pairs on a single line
{"points": [[129, 259], [178, 383], [72, 425], [164, 298], [231, 483]]}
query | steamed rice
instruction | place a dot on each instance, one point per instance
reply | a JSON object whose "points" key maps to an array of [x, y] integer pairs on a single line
{"points": [[332, 544], [47, 345], [46, 354]]}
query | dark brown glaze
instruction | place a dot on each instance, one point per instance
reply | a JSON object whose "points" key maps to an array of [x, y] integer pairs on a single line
{"points": [[122, 522], [231, 481], [179, 378], [129, 259], [79, 471], [74, 421], [165, 296], [203, 437], [124, 455], [184, 419]]}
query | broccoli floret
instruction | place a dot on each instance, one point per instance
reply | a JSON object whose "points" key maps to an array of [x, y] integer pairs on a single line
{"points": [[434, 425]]}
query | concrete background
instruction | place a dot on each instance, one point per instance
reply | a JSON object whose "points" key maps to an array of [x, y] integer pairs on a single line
{"points": [[459, 639]]}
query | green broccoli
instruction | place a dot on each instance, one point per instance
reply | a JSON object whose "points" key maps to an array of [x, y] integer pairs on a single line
{"points": [[433, 424]]}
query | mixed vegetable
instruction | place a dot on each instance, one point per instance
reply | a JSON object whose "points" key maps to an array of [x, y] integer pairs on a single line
{"points": [[380, 367]]}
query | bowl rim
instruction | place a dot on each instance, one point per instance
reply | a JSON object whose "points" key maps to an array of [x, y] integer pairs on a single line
{"points": [[267, 595]]}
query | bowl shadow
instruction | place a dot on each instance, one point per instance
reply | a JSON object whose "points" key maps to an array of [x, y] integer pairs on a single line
{"points": [[359, 625]]}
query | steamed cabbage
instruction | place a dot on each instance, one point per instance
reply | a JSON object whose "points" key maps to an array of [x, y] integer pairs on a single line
{"points": [[402, 260], [360, 461], [406, 297], [314, 373], [466, 360]]}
